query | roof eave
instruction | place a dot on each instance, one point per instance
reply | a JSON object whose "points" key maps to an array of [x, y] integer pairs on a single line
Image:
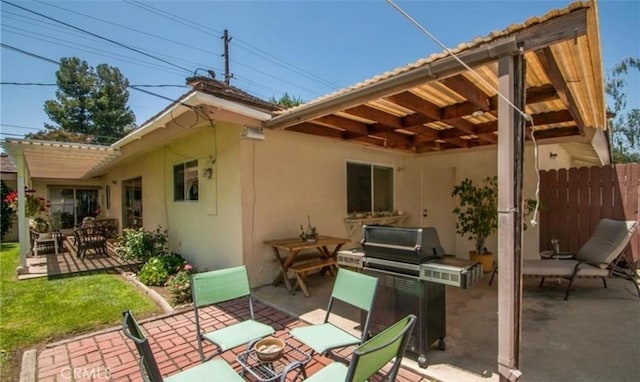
{"points": [[190, 100]]}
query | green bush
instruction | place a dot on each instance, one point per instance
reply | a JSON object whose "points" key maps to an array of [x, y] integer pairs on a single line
{"points": [[180, 285], [138, 244], [7, 213], [156, 270], [153, 272]]}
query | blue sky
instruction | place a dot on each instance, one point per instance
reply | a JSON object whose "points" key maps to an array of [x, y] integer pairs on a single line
{"points": [[306, 48]]}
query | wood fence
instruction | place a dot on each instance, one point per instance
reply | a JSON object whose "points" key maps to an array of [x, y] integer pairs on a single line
{"points": [[576, 199]]}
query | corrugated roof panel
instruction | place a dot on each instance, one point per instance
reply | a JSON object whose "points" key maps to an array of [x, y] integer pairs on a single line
{"points": [[354, 117], [489, 74], [536, 76], [437, 94], [390, 107]]}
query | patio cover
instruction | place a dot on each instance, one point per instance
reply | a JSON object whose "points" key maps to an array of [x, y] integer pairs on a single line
{"points": [[435, 104], [59, 160]]}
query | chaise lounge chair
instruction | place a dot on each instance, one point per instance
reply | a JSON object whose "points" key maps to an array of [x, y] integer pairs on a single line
{"points": [[598, 257]]}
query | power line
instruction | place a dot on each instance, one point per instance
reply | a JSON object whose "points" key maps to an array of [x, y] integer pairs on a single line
{"points": [[248, 47], [57, 63], [92, 50], [129, 59], [19, 126], [29, 53], [98, 36], [137, 85], [165, 39], [180, 20]]}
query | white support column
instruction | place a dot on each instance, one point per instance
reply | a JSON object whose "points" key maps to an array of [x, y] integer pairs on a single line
{"points": [[509, 290], [23, 227]]}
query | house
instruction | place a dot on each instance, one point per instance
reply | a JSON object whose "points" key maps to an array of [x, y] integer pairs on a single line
{"points": [[223, 171]]}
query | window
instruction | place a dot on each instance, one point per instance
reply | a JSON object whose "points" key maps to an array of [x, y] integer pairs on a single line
{"points": [[369, 188], [185, 181]]}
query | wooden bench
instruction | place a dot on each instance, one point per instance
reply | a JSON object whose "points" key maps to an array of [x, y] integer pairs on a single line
{"points": [[301, 271]]}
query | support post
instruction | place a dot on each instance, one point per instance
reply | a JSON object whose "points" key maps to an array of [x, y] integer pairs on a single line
{"points": [[23, 227], [510, 147]]}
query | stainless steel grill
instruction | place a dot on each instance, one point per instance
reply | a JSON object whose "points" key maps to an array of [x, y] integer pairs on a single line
{"points": [[412, 270]]}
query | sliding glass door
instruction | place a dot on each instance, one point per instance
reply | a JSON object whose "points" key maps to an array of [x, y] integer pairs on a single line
{"points": [[70, 205], [132, 203]]}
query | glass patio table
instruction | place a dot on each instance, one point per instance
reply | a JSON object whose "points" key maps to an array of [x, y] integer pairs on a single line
{"points": [[292, 358]]}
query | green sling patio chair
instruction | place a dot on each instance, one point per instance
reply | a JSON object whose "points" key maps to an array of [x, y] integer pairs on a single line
{"points": [[598, 257], [213, 287], [371, 356], [354, 288], [149, 368]]}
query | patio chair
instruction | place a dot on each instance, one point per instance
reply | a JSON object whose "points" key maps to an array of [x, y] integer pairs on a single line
{"points": [[213, 287], [371, 356], [149, 368], [354, 288], [90, 238], [598, 257]]}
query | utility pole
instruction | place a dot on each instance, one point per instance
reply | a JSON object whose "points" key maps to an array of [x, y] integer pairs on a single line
{"points": [[227, 75]]}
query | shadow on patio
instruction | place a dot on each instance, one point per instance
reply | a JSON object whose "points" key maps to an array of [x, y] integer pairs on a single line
{"points": [[110, 356], [592, 337], [67, 263]]}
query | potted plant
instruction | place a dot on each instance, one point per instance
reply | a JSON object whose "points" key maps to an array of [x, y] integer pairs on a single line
{"points": [[477, 215]]}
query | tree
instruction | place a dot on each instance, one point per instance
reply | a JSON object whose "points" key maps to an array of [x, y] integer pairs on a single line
{"points": [[7, 214], [625, 124], [90, 105], [286, 100]]}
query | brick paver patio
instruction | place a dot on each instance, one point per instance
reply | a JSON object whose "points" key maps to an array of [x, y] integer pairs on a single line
{"points": [[109, 356]]}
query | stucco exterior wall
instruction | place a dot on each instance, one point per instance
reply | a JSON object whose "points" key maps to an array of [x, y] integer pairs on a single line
{"points": [[265, 189], [290, 176], [207, 232], [475, 165]]}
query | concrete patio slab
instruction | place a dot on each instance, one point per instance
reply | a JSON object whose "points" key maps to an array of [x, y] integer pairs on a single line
{"points": [[593, 336]]}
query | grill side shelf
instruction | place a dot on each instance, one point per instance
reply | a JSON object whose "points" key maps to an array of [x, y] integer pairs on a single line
{"points": [[461, 277]]}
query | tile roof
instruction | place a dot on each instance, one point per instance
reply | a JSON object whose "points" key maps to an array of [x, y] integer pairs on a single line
{"points": [[436, 56]]}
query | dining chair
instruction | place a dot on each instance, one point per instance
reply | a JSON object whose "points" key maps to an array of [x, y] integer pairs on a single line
{"points": [[353, 288], [213, 287], [372, 356], [149, 368]]}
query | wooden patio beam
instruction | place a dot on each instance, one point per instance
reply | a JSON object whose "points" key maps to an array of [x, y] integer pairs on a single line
{"points": [[347, 124], [550, 66], [373, 114], [312, 128], [461, 85], [417, 104]]}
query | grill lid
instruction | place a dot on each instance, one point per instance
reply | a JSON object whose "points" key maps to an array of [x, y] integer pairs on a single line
{"points": [[413, 245]]}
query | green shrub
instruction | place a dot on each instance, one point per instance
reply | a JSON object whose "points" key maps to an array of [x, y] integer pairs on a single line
{"points": [[180, 285], [141, 245], [156, 270], [7, 214]]}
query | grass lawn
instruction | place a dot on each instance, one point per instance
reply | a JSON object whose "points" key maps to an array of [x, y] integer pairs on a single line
{"points": [[37, 311]]}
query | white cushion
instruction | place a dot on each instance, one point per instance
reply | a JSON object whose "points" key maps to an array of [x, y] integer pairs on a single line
{"points": [[560, 268]]}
